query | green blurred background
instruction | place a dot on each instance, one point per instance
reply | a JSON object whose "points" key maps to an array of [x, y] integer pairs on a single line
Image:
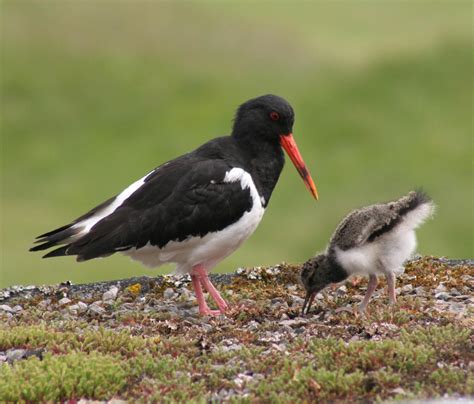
{"points": [[95, 94]]}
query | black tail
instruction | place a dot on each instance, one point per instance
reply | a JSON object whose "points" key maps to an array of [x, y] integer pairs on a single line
{"points": [[416, 198], [55, 238], [58, 252], [402, 207], [63, 234]]}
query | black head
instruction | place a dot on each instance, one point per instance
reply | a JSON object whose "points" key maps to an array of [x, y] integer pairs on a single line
{"points": [[316, 274], [267, 117], [267, 121]]}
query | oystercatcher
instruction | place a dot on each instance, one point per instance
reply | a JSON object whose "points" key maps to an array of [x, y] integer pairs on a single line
{"points": [[372, 241], [197, 209]]}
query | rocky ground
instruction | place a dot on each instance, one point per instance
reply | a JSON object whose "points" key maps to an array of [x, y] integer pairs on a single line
{"points": [[143, 338]]}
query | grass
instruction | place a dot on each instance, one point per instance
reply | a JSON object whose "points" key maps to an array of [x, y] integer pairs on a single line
{"points": [[93, 99], [173, 370]]}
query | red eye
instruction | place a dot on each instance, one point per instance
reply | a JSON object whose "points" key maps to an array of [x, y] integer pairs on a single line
{"points": [[274, 116]]}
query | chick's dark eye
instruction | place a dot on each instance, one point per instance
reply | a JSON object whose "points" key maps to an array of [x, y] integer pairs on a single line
{"points": [[274, 116]]}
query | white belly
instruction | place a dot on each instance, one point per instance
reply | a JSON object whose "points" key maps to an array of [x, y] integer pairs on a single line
{"points": [[213, 247], [385, 255], [208, 250]]}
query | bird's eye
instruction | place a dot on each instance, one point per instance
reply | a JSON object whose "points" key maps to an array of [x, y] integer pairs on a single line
{"points": [[274, 116]]}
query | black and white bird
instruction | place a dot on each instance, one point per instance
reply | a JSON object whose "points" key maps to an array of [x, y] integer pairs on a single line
{"points": [[375, 240], [197, 209]]}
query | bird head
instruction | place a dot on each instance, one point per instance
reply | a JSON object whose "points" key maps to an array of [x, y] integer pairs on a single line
{"points": [[315, 276], [270, 119]]}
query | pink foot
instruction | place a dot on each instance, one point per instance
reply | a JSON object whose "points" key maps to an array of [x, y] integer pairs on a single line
{"points": [[209, 312], [200, 277]]}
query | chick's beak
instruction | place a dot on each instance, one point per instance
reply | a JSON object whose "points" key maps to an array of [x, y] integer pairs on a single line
{"points": [[288, 143], [308, 301]]}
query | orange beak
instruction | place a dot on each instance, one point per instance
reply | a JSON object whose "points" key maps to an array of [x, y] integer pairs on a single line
{"points": [[289, 144]]}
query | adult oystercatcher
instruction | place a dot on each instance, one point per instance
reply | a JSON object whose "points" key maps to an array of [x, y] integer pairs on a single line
{"points": [[197, 209], [372, 241]]}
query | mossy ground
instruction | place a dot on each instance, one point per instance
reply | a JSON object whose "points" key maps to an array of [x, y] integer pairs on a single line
{"points": [[261, 351]]}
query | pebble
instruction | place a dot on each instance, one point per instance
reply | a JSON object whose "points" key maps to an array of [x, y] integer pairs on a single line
{"points": [[207, 327], [44, 303], [296, 300], [15, 354], [279, 347], [253, 325], [276, 300], [185, 294], [407, 288], [233, 347], [112, 401], [341, 291], [248, 302], [111, 294], [189, 313], [6, 307], [4, 294], [398, 390], [74, 308], [291, 288], [299, 330], [80, 307], [242, 379], [440, 288], [462, 297], [347, 309], [168, 293], [294, 322], [457, 307], [420, 291], [442, 296], [223, 394], [64, 301], [279, 304], [96, 309]]}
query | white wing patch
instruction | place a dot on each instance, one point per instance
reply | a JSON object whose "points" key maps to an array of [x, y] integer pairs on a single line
{"points": [[238, 174], [87, 224], [235, 175]]}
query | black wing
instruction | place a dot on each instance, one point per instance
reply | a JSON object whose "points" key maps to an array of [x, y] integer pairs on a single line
{"points": [[183, 198]]}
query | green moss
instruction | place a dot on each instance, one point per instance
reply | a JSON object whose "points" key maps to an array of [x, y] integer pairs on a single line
{"points": [[448, 380], [103, 340], [63, 377]]}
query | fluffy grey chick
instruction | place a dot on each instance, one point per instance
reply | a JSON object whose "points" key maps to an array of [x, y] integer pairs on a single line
{"points": [[374, 240]]}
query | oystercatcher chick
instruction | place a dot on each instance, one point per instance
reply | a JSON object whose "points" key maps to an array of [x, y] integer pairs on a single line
{"points": [[197, 209], [375, 240]]}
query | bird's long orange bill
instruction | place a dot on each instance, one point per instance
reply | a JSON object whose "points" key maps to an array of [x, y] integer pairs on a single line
{"points": [[289, 144]]}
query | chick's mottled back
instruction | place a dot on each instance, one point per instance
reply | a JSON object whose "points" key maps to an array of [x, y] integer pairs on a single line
{"points": [[365, 225]]}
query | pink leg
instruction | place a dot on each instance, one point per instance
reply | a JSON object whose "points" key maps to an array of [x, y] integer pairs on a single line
{"points": [[201, 274], [203, 307], [370, 289], [392, 296]]}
